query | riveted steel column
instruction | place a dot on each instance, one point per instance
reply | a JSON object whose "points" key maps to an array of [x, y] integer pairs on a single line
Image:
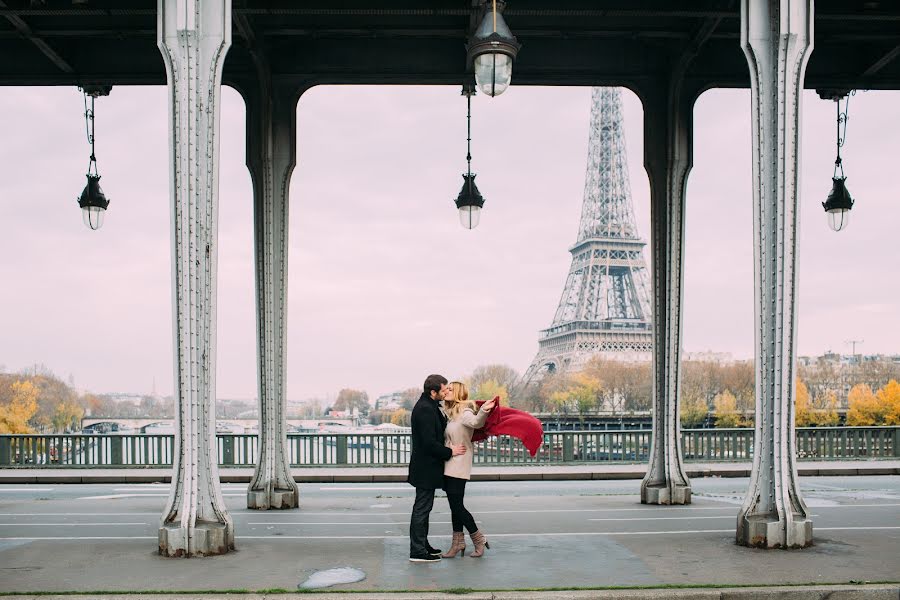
{"points": [[271, 156], [777, 39], [193, 42], [667, 159]]}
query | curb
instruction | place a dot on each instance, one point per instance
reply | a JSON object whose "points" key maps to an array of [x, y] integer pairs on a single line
{"points": [[348, 475], [827, 592]]}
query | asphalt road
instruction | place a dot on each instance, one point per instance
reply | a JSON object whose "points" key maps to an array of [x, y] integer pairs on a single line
{"points": [[565, 533]]}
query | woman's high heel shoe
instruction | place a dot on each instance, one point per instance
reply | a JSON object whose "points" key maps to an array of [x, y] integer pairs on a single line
{"points": [[480, 543], [456, 546]]}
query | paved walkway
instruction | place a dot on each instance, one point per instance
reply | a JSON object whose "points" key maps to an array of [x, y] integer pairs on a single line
{"points": [[598, 471], [559, 534]]}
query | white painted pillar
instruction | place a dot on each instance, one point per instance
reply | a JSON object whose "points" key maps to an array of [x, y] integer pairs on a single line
{"points": [[668, 154], [777, 39], [193, 42], [271, 156]]}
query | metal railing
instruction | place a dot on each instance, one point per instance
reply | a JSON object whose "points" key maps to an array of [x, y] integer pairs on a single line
{"points": [[392, 449]]}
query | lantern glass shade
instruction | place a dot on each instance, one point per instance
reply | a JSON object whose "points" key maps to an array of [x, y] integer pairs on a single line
{"points": [[493, 72], [469, 202], [93, 216], [93, 203], [469, 216], [837, 206], [838, 218]]}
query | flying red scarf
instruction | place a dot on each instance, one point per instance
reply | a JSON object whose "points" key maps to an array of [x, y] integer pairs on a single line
{"points": [[503, 420]]}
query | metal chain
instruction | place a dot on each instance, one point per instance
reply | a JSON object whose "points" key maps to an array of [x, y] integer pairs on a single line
{"points": [[468, 91], [89, 130], [842, 118]]}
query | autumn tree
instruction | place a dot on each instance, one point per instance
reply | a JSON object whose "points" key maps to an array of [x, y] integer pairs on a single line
{"points": [[802, 409], [67, 416], [348, 400], [726, 411], [409, 397], [501, 375], [889, 398], [826, 410], [488, 390], [626, 384], [694, 410], [863, 407], [401, 417], [22, 405], [580, 395]]}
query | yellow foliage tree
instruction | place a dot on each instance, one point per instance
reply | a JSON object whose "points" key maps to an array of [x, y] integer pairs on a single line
{"points": [[693, 410], [826, 411], [15, 415], [726, 410], [400, 417], [581, 394], [889, 399], [488, 390], [863, 407], [67, 416], [802, 410]]}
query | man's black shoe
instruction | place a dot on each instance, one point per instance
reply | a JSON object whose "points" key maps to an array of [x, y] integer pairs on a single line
{"points": [[434, 551], [424, 558]]}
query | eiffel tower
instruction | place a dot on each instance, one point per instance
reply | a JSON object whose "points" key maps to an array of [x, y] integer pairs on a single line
{"points": [[605, 305]]}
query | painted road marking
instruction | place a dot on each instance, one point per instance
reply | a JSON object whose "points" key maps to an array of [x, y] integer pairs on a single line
{"points": [[671, 518], [403, 523], [401, 537], [405, 488], [65, 524], [118, 496]]}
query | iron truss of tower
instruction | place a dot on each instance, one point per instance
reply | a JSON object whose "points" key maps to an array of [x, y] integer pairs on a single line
{"points": [[605, 305]]}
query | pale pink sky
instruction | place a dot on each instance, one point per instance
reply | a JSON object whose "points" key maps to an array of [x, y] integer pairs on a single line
{"points": [[385, 286]]}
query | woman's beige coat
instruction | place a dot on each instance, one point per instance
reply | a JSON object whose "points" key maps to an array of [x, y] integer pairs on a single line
{"points": [[459, 431]]}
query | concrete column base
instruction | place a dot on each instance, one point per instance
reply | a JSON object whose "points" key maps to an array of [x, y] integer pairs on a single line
{"points": [[277, 500], [663, 494], [208, 539], [767, 533]]}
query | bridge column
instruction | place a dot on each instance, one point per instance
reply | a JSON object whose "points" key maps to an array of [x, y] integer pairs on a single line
{"points": [[271, 156], [668, 138], [777, 39], [193, 42]]}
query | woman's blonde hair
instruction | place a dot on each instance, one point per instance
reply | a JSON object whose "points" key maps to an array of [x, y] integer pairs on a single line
{"points": [[458, 400]]}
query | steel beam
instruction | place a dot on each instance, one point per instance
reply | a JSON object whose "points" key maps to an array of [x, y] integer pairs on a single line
{"points": [[271, 156], [193, 43], [668, 139], [777, 39], [23, 30]]}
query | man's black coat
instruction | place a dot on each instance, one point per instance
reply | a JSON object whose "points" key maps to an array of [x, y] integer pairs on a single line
{"points": [[426, 463]]}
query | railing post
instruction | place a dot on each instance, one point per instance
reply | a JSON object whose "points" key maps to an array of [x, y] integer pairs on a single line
{"points": [[4, 450], [341, 449], [896, 442], [115, 450], [568, 447], [228, 450]]}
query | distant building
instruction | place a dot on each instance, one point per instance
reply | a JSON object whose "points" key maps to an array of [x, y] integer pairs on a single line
{"points": [[392, 401], [722, 358]]}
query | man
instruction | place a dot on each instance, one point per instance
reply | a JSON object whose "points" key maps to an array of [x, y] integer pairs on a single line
{"points": [[426, 464]]}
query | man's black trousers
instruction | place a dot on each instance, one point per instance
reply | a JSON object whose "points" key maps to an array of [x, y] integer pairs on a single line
{"points": [[418, 523]]}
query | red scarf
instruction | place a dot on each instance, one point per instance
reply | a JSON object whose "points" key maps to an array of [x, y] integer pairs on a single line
{"points": [[503, 420]]}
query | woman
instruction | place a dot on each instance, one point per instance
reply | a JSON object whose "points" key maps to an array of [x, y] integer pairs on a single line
{"points": [[463, 418]]}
